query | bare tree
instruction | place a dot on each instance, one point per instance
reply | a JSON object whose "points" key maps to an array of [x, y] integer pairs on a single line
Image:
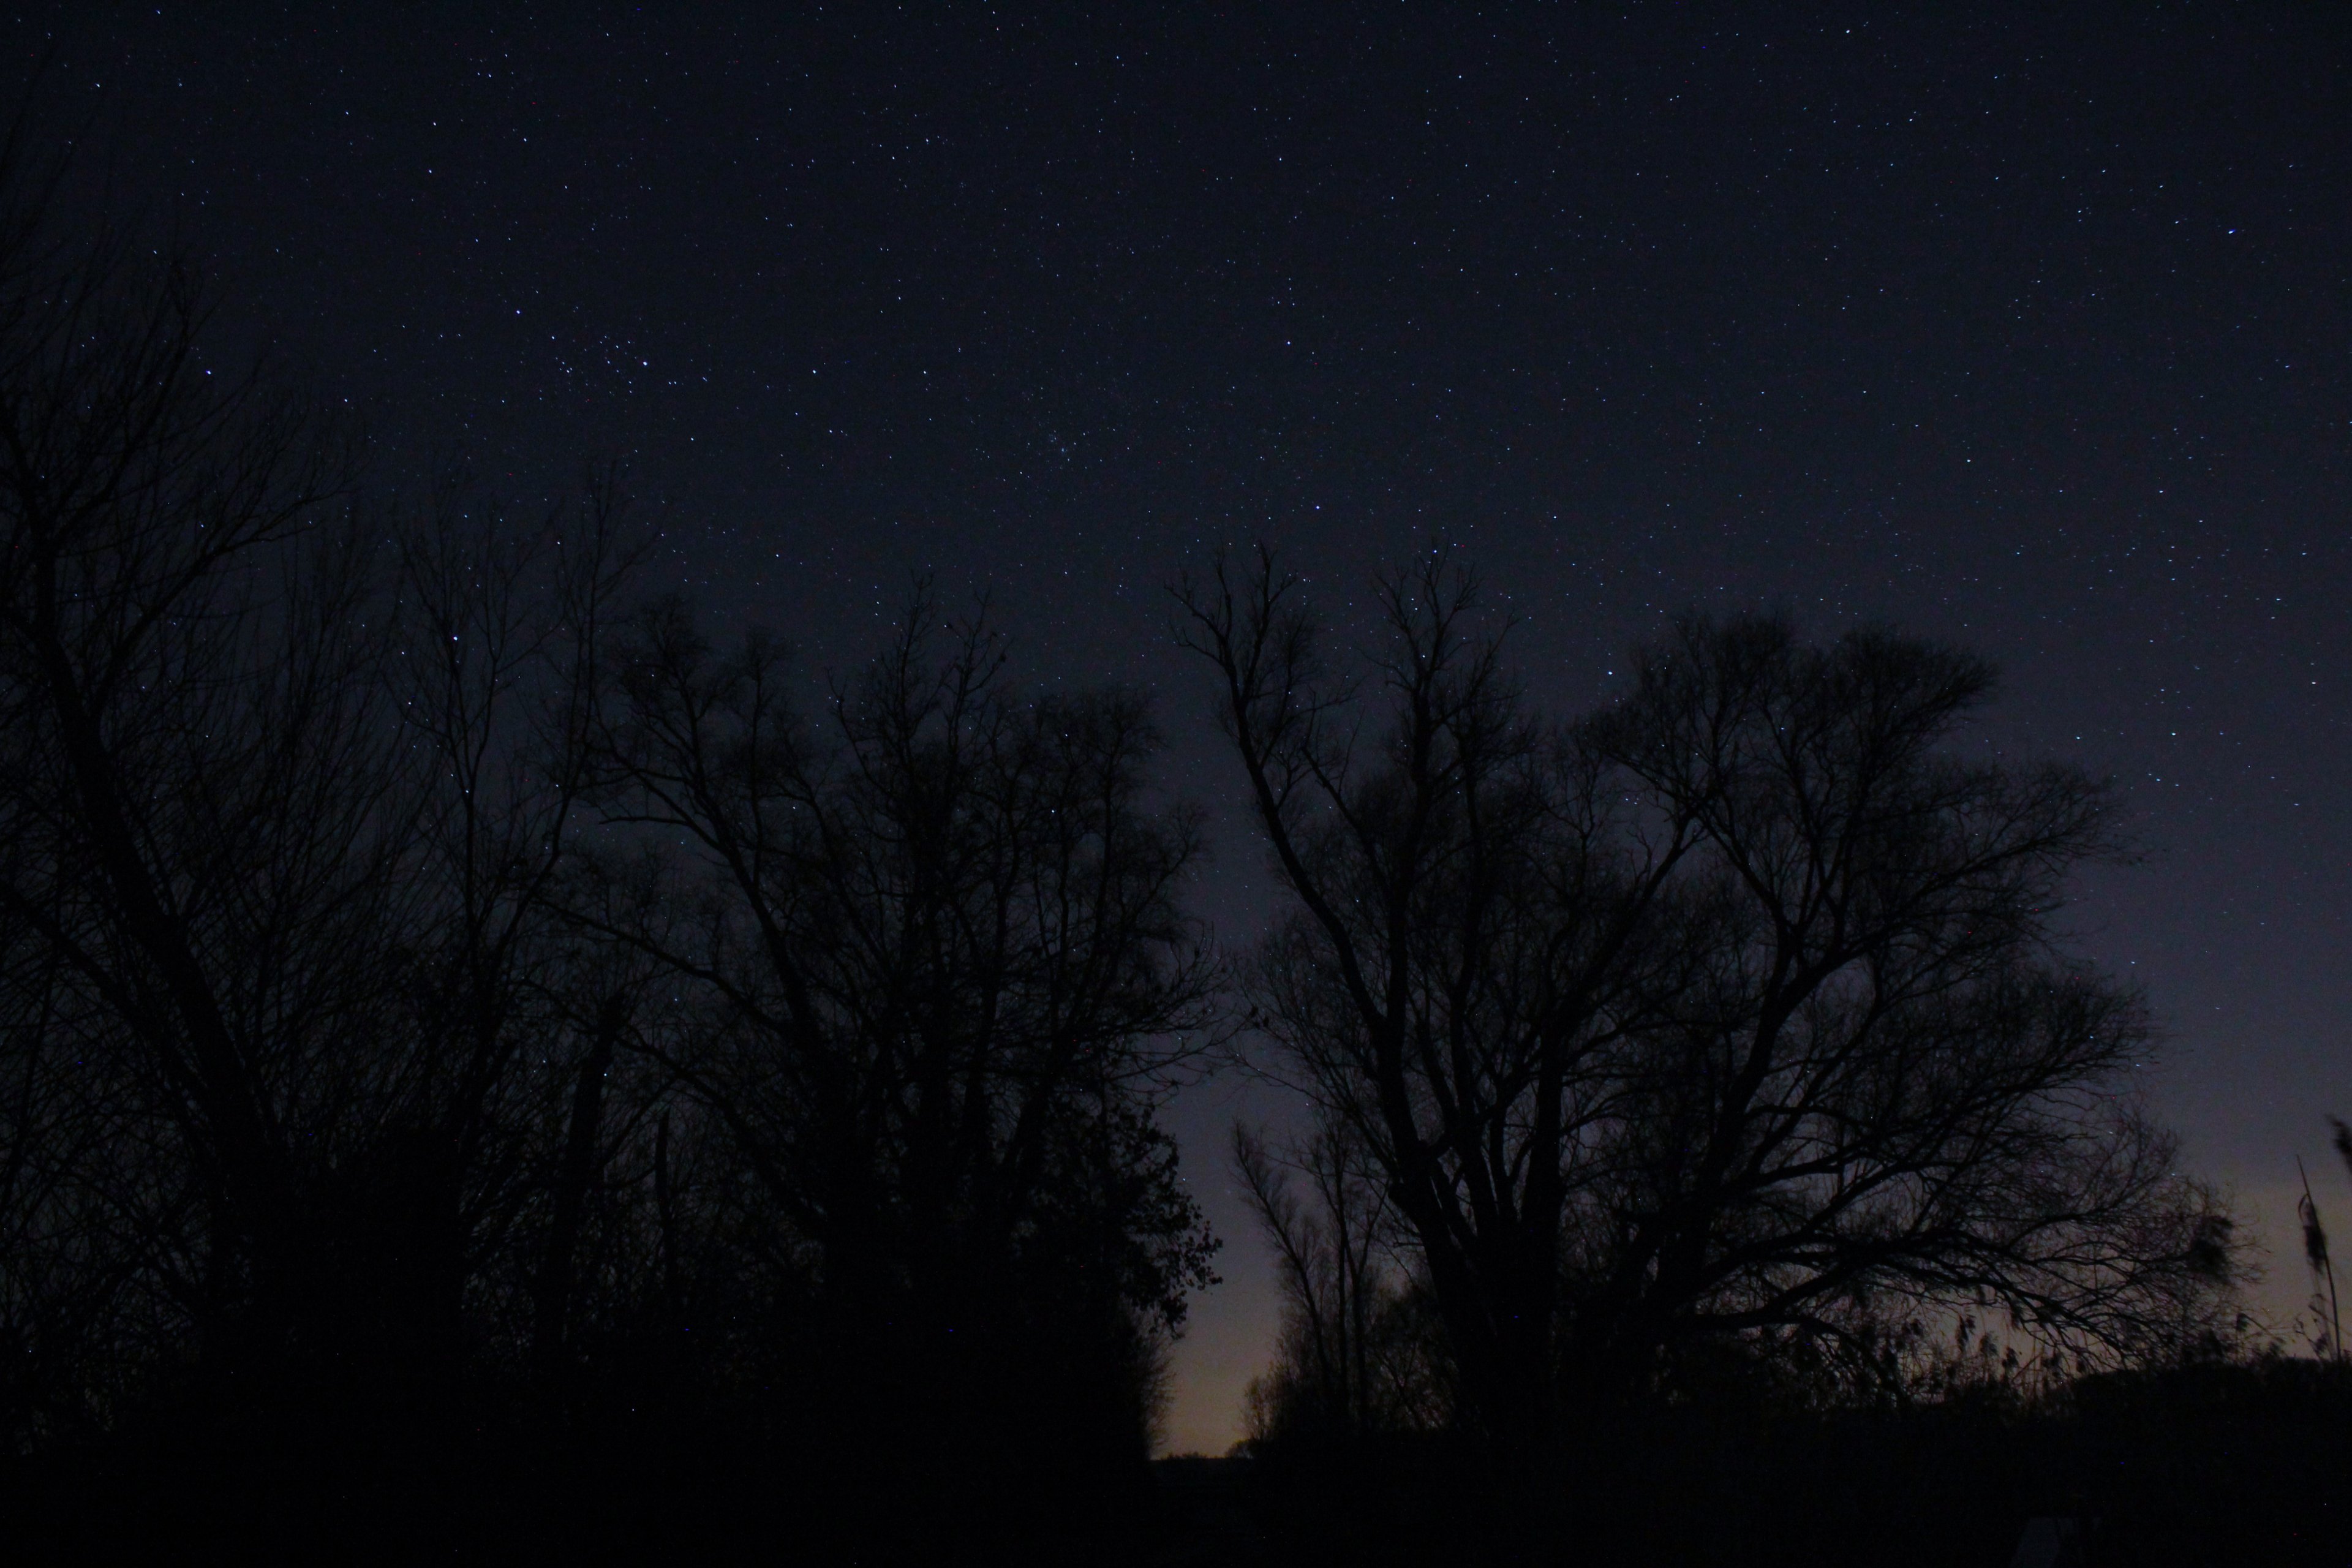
{"points": [[1473, 936], [281, 814], [337, 1080], [1733, 1009], [937, 976], [1354, 1357], [498, 624], [1889, 1082], [142, 490]]}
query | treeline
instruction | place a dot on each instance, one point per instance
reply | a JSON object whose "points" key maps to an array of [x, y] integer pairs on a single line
{"points": [[488, 1063], [468, 1034]]}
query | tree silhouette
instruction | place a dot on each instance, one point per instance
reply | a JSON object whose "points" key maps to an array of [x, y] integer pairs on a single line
{"points": [[1732, 1013], [1355, 1357], [936, 979], [170, 667], [434, 1003], [1890, 1081], [1471, 941]]}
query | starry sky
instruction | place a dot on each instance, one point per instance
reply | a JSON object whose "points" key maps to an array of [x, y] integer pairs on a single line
{"points": [[2023, 331]]}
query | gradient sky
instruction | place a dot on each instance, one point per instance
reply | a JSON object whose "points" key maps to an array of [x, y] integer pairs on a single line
{"points": [[2030, 333]]}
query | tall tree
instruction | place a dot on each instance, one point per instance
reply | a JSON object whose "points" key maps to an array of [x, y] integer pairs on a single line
{"points": [[1354, 1355], [281, 811], [1889, 1085], [1733, 1009], [174, 691], [1473, 936], [939, 977]]}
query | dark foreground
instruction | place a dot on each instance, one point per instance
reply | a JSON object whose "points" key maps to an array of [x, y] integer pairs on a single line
{"points": [[2207, 1465], [2218, 1465]]}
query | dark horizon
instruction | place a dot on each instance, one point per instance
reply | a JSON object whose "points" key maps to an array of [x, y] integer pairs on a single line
{"points": [[2019, 332]]}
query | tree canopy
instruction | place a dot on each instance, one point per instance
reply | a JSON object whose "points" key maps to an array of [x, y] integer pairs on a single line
{"points": [[1732, 1014]]}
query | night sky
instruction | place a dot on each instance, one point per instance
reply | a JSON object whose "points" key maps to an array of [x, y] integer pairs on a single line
{"points": [[2028, 334]]}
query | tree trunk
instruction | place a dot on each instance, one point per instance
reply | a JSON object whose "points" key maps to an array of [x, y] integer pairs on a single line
{"points": [[552, 1306]]}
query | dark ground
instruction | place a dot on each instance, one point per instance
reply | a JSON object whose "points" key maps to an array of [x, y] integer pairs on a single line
{"points": [[2223, 1465], [2206, 1465]]}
